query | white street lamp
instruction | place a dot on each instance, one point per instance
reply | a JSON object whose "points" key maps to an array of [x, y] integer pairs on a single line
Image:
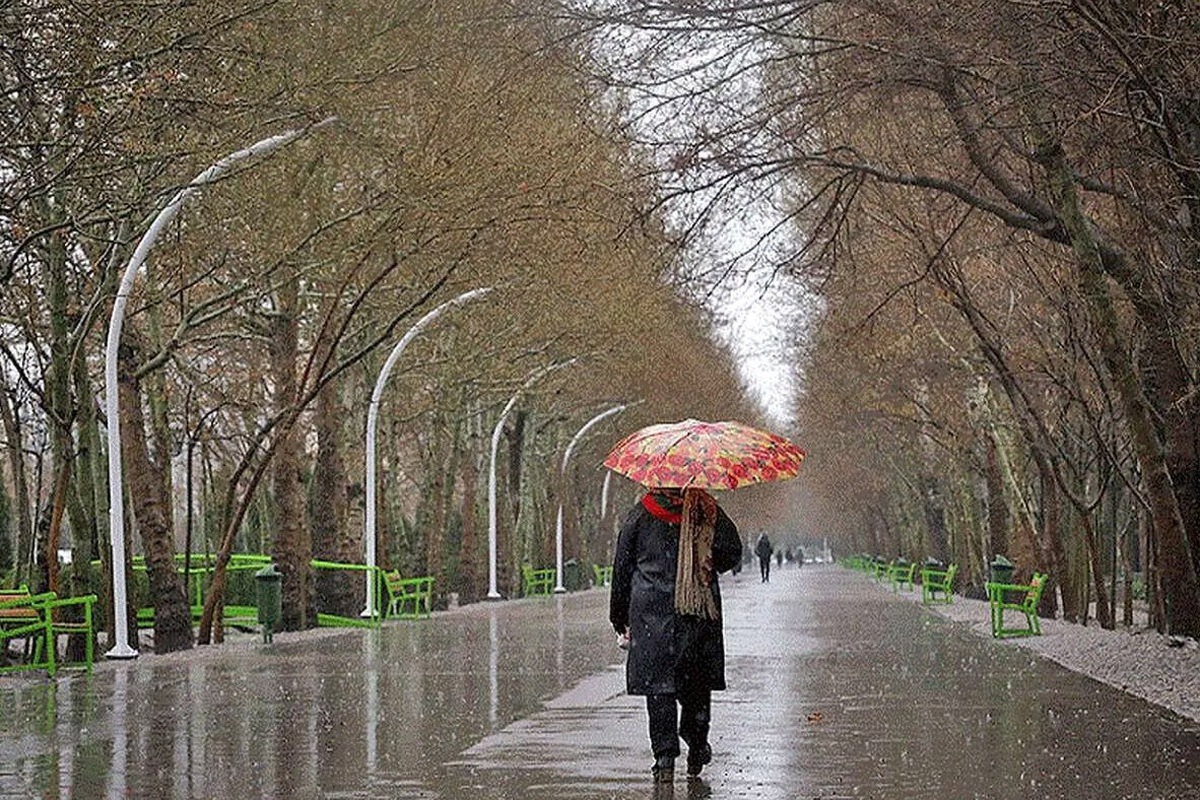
{"points": [[604, 494], [373, 414], [558, 539], [116, 506], [493, 593]]}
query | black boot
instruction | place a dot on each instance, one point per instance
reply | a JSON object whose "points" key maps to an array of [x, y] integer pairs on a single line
{"points": [[664, 769], [696, 759]]}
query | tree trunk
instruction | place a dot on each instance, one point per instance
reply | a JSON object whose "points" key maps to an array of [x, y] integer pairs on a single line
{"points": [[339, 590], [1169, 388], [14, 437], [83, 509], [469, 569], [1045, 552], [934, 510], [72, 497], [997, 506], [568, 501], [291, 546], [60, 407], [151, 509], [516, 451], [232, 516], [1126, 581], [432, 536], [933, 505], [1103, 610], [1181, 594], [58, 499]]}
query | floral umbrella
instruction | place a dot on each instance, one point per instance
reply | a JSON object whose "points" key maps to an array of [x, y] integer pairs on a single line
{"points": [[704, 455]]}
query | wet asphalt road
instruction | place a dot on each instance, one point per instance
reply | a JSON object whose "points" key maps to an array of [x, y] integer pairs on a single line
{"points": [[836, 690]]}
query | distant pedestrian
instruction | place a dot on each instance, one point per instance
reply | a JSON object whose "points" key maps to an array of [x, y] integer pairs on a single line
{"points": [[666, 599], [764, 550]]}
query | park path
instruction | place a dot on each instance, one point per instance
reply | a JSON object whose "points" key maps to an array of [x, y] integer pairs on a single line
{"points": [[837, 689]]}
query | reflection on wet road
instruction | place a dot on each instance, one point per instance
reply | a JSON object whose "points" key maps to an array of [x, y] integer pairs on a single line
{"points": [[836, 690]]}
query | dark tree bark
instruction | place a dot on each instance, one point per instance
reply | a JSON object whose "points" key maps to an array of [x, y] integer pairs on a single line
{"points": [[151, 509], [292, 545], [469, 568], [935, 517], [1180, 591], [13, 437], [997, 505], [431, 537], [516, 449], [341, 592]]}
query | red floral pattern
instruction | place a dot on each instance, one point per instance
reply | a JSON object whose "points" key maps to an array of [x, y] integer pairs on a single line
{"points": [[706, 455]]}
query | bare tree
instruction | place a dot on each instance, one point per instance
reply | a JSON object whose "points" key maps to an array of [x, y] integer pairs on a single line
{"points": [[1007, 109]]}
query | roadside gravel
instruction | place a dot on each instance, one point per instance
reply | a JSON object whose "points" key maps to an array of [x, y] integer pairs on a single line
{"points": [[1160, 669]]}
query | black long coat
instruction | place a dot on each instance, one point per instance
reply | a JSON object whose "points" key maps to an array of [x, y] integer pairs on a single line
{"points": [[666, 649]]}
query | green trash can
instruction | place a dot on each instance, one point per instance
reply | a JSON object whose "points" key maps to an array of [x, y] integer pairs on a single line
{"points": [[268, 586], [572, 576], [1002, 569]]}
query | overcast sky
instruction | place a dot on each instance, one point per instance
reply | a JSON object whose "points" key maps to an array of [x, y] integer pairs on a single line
{"points": [[678, 88]]}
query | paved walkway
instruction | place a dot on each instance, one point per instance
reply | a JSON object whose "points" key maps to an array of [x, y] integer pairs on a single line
{"points": [[837, 689]]}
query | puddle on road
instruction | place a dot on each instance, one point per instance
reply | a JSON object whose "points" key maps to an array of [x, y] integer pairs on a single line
{"points": [[887, 701], [355, 715]]}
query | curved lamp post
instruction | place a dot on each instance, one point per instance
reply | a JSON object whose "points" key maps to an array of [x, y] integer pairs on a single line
{"points": [[493, 593], [372, 416], [116, 506], [604, 494], [558, 538]]}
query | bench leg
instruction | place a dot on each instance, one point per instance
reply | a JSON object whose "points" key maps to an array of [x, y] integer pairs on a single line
{"points": [[89, 645], [1033, 624], [51, 651]]}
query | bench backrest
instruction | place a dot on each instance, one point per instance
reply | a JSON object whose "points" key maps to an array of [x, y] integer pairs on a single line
{"points": [[940, 577], [17, 604], [1034, 595], [395, 582], [23, 614]]}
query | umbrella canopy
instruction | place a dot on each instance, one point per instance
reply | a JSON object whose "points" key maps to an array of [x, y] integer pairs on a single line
{"points": [[704, 455]]}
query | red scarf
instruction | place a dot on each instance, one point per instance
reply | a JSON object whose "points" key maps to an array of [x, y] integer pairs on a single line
{"points": [[666, 515]]}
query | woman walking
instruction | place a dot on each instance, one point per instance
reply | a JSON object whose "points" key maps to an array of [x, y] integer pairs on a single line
{"points": [[764, 551], [666, 599]]}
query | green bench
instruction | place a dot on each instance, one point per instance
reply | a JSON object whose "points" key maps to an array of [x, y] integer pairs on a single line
{"points": [[232, 615], [1022, 598], [22, 619], [37, 618], [408, 598], [901, 575], [935, 582], [536, 582], [603, 575]]}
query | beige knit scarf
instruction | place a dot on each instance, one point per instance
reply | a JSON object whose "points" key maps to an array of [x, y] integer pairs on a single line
{"points": [[694, 576]]}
